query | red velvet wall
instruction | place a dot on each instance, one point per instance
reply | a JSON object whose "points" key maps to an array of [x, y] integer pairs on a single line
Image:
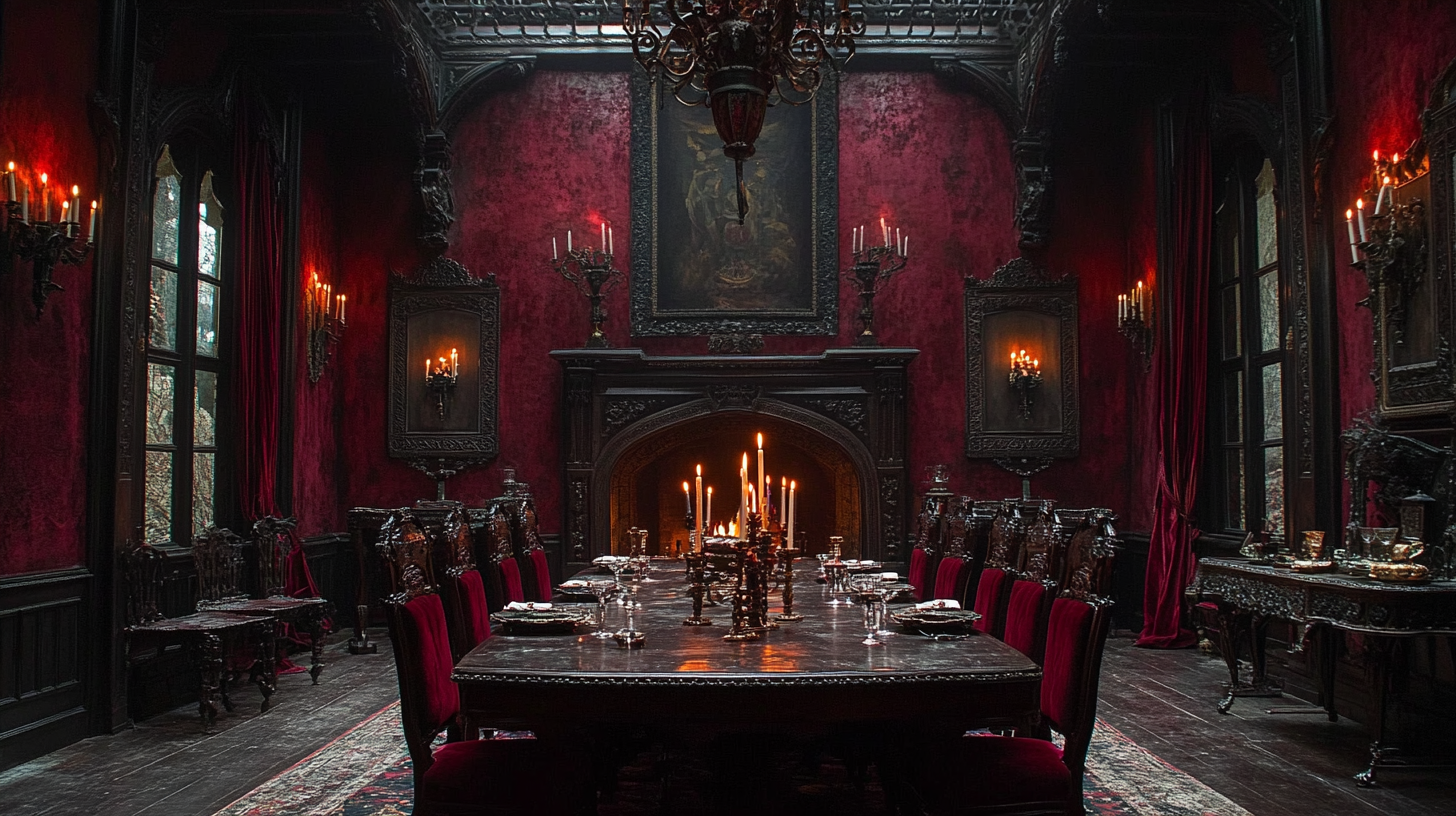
{"points": [[316, 459], [1382, 83], [49, 69], [553, 154]]}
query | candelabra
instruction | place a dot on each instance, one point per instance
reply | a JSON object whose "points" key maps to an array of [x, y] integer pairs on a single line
{"points": [[591, 272], [1392, 249], [1025, 378], [873, 268], [323, 314], [44, 244], [786, 557], [440, 379], [1135, 322]]}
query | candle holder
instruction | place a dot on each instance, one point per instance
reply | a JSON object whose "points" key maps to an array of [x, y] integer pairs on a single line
{"points": [[697, 564], [591, 272], [873, 268], [1135, 322], [1025, 379], [786, 557], [44, 244], [1393, 252], [441, 381], [323, 325]]}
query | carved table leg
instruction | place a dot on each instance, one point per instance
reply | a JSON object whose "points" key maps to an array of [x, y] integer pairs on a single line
{"points": [[209, 663], [1235, 626], [360, 642], [1380, 652], [265, 670], [316, 642], [1327, 643]]}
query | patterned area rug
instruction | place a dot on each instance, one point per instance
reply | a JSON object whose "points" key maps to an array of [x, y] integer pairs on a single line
{"points": [[366, 772]]}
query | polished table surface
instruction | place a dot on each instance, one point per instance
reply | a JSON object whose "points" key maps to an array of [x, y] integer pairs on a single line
{"points": [[814, 671]]}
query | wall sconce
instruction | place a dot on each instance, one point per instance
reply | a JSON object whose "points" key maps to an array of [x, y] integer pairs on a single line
{"points": [[44, 242], [872, 268], [591, 272], [324, 315], [1025, 378], [1135, 321], [1391, 250], [440, 378]]}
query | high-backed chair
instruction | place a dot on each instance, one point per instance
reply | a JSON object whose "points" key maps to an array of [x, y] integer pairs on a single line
{"points": [[207, 636], [993, 589], [503, 571], [462, 586], [216, 554], [954, 571], [1090, 554], [987, 775], [922, 558], [526, 545], [1033, 590], [464, 775]]}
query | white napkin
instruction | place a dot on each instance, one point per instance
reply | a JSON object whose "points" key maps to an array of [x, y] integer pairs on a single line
{"points": [[889, 576], [517, 606], [574, 584], [939, 603]]}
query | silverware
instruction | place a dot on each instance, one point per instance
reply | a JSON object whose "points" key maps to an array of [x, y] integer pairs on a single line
{"points": [[942, 636]]}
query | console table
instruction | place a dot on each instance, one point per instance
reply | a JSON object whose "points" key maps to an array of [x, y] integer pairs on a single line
{"points": [[1248, 594]]}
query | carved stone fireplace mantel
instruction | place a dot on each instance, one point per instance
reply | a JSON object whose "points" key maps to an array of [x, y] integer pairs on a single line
{"points": [[613, 399]]}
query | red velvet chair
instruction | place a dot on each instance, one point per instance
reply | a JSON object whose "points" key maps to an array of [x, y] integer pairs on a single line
{"points": [[922, 559], [984, 775], [462, 776], [951, 578], [992, 594], [504, 583], [462, 587]]}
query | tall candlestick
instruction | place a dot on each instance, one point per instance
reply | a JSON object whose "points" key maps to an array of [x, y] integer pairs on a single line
{"points": [[1350, 230], [554, 256], [708, 514], [568, 242], [76, 204], [760, 470], [793, 500], [699, 524], [10, 182], [91, 235], [743, 493], [610, 243], [1360, 217], [454, 363], [45, 197]]}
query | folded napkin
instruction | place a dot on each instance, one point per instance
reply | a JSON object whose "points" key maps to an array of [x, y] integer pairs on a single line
{"points": [[939, 603], [517, 606], [574, 584], [889, 576]]}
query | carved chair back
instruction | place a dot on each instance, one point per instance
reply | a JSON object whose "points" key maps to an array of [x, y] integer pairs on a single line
{"points": [[1044, 546], [1090, 556], [215, 553], [142, 569], [1007, 532], [406, 553], [502, 572], [273, 538], [462, 586], [457, 542], [957, 532]]}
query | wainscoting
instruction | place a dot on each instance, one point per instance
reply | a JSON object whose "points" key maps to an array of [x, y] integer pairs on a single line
{"points": [[44, 627]]}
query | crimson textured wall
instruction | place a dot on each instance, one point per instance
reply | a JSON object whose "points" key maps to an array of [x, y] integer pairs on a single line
{"points": [[49, 70]]}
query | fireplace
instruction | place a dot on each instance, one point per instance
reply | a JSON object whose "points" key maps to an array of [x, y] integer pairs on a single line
{"points": [[634, 426]]}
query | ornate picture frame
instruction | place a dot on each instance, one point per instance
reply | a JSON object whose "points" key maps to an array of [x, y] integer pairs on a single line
{"points": [[695, 270], [442, 308], [1020, 308]]}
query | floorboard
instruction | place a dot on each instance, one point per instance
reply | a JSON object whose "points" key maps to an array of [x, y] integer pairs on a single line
{"points": [[1272, 765]]}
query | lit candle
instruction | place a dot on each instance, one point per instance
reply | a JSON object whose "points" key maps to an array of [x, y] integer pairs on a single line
{"points": [[885, 232], [688, 498], [784, 499], [76, 204], [699, 524], [1139, 313], [1350, 230], [454, 363], [1360, 217], [793, 500], [91, 233], [45, 197], [427, 368], [708, 514], [65, 211], [604, 236], [752, 500], [743, 493], [759, 494], [10, 182]]}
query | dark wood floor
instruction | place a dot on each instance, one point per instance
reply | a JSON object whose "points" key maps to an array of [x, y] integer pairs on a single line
{"points": [[1271, 765]]}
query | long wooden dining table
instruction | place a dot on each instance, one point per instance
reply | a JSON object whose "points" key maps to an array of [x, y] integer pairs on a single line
{"points": [[805, 676]]}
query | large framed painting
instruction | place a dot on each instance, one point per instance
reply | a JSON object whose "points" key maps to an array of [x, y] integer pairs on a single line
{"points": [[1021, 365], [695, 269]]}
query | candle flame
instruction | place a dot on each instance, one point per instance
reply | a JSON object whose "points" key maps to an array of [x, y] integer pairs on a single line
{"points": [[1349, 214], [1375, 155], [93, 204], [43, 178], [710, 491], [793, 485], [760, 441], [1359, 203], [11, 167], [700, 470], [75, 189], [1385, 180], [733, 529], [686, 489]]}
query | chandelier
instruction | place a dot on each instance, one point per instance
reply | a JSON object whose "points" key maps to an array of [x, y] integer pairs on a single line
{"points": [[737, 57]]}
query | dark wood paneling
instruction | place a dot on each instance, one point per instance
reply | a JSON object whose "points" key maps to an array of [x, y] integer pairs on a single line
{"points": [[43, 635]]}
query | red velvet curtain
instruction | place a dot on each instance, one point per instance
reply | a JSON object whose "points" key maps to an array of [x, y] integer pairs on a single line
{"points": [[1180, 373], [260, 282]]}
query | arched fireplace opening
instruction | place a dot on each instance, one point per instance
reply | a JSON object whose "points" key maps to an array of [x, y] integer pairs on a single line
{"points": [[646, 479]]}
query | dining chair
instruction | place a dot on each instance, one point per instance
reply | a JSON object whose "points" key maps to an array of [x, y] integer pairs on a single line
{"points": [[993, 589], [462, 587], [954, 572], [504, 571], [986, 775], [529, 553], [922, 559], [463, 775]]}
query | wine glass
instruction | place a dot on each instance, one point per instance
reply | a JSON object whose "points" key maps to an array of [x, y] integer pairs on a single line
{"points": [[866, 590], [600, 590]]}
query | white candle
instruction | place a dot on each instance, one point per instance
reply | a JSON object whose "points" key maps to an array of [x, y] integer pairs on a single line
{"points": [[343, 299], [688, 498], [699, 506], [91, 233], [427, 368], [708, 514], [793, 500], [454, 363], [1360, 217], [45, 197], [743, 493], [905, 250], [554, 256], [76, 204], [604, 236], [568, 242], [611, 250], [10, 182], [1350, 230], [760, 471]]}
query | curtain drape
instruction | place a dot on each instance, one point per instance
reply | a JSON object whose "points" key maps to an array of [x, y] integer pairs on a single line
{"points": [[260, 274], [1180, 373]]}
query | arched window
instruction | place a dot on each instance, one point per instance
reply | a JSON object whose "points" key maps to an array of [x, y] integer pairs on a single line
{"points": [[185, 350], [1246, 395]]}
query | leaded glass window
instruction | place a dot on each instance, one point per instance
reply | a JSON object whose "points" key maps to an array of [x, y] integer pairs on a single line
{"points": [[1246, 389], [185, 348]]}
